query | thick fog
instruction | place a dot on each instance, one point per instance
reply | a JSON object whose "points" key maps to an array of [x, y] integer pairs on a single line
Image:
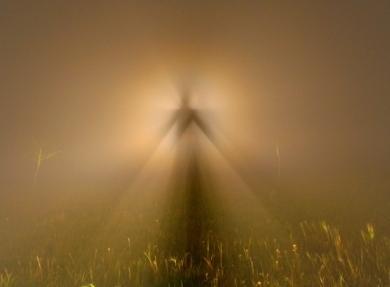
{"points": [[299, 92]]}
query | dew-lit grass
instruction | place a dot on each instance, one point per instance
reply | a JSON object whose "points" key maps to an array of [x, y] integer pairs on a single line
{"points": [[312, 254]]}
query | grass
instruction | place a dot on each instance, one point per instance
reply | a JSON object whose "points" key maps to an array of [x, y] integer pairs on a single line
{"points": [[313, 254], [88, 242]]}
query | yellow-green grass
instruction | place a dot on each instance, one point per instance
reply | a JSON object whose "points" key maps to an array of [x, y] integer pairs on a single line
{"points": [[313, 254]]}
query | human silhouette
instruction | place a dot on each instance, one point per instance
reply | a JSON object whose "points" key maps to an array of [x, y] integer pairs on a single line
{"points": [[188, 209]]}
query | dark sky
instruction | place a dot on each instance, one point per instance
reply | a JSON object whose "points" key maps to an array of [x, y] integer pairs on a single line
{"points": [[85, 77]]}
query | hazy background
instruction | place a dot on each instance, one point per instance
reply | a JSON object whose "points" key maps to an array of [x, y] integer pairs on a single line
{"points": [[95, 80]]}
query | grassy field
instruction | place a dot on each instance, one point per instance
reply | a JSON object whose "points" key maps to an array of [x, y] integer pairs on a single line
{"points": [[80, 247], [317, 255]]}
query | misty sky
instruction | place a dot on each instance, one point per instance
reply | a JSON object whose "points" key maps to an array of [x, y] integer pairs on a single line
{"points": [[88, 77]]}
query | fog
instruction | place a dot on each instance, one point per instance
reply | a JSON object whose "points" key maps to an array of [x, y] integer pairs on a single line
{"points": [[95, 82]]}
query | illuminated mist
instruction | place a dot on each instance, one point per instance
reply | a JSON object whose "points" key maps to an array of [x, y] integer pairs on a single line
{"points": [[177, 127]]}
